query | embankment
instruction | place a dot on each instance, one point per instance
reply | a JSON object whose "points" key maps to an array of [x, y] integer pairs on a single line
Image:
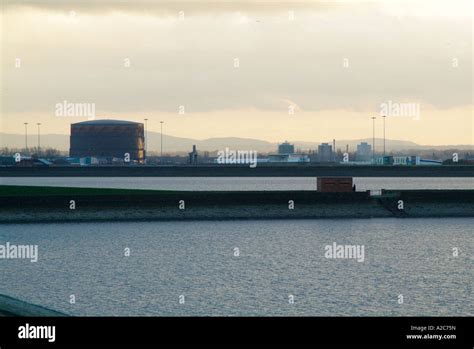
{"points": [[19, 204], [14, 307], [262, 170]]}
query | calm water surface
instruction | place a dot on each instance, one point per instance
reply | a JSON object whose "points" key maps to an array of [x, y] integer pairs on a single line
{"points": [[412, 257]]}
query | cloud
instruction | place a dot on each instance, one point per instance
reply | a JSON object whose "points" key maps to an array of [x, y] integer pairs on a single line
{"points": [[172, 8], [191, 62]]}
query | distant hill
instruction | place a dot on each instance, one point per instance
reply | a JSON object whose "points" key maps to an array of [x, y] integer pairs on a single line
{"points": [[178, 144]]}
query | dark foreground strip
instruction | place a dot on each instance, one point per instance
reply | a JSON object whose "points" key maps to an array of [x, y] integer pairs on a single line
{"points": [[306, 170], [14, 307], [323, 332]]}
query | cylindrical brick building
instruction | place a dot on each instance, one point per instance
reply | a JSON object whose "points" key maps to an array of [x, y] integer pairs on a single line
{"points": [[108, 138]]}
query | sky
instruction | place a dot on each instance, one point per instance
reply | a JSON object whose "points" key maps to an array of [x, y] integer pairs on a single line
{"points": [[308, 71]]}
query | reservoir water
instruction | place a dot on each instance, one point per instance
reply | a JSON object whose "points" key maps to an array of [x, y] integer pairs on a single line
{"points": [[275, 260]]}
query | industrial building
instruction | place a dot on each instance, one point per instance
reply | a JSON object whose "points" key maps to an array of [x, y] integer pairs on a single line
{"points": [[108, 139], [193, 156], [406, 160], [325, 152], [364, 152], [286, 148], [285, 158]]}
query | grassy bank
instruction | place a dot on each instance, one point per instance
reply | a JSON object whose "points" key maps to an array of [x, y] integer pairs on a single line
{"points": [[28, 191], [31, 196]]}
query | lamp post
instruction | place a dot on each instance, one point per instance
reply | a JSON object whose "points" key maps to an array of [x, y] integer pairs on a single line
{"points": [[161, 146], [39, 138], [26, 137], [146, 139], [373, 139], [384, 116]]}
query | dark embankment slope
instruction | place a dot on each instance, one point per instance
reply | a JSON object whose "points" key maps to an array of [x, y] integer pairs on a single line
{"points": [[14, 307], [20, 204], [262, 170]]}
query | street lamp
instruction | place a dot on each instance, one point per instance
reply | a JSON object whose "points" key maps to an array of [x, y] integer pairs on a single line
{"points": [[146, 138], [26, 137], [373, 139], [384, 116], [39, 142], [161, 146]]}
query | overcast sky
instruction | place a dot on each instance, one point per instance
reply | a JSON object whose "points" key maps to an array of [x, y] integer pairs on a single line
{"points": [[333, 63]]}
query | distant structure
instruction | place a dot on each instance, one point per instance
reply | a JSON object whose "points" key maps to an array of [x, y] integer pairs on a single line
{"points": [[364, 152], [286, 148], [108, 139], [285, 158], [325, 153], [406, 160], [334, 184], [193, 156]]}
